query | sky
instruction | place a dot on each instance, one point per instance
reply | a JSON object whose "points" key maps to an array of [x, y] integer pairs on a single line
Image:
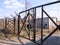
{"points": [[9, 7]]}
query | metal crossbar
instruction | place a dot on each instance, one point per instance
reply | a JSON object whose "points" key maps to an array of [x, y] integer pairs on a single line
{"points": [[40, 6]]}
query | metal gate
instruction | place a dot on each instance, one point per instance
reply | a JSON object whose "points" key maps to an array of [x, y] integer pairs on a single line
{"points": [[27, 26]]}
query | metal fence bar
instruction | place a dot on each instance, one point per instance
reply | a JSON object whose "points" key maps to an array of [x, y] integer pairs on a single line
{"points": [[34, 34], [40, 6], [29, 24], [14, 24], [5, 23], [42, 26], [18, 25]]}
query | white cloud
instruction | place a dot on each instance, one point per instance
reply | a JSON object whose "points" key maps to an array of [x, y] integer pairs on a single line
{"points": [[0, 9], [55, 0], [14, 4]]}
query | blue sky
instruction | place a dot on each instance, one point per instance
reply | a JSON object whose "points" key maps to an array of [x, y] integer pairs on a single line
{"points": [[8, 7]]}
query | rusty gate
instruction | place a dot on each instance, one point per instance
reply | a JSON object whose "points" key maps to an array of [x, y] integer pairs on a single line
{"points": [[25, 24]]}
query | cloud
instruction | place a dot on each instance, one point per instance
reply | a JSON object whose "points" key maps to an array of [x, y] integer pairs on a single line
{"points": [[0, 9], [14, 4], [55, 0]]}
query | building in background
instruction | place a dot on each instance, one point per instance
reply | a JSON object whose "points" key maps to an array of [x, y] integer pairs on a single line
{"points": [[47, 23]]}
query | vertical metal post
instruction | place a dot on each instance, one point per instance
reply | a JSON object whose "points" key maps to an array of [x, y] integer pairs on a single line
{"points": [[34, 35], [14, 24], [42, 26], [5, 23], [29, 24], [18, 25]]}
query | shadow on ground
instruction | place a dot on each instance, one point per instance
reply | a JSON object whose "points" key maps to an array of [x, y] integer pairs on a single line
{"points": [[53, 40]]}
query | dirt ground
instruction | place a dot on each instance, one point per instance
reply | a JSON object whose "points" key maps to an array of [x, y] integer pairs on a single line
{"points": [[53, 40]]}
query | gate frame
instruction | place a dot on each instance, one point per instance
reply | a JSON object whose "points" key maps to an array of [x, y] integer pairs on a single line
{"points": [[34, 13], [58, 26]]}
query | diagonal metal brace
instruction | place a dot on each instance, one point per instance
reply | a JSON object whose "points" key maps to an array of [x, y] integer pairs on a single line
{"points": [[50, 17], [24, 23], [50, 34]]}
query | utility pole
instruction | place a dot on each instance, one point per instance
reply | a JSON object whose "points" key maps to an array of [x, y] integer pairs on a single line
{"points": [[27, 4], [26, 7]]}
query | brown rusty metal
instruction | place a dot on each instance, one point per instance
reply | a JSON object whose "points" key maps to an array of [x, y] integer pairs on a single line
{"points": [[57, 27], [14, 24], [29, 25], [18, 25], [42, 26], [34, 21], [5, 23]]}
